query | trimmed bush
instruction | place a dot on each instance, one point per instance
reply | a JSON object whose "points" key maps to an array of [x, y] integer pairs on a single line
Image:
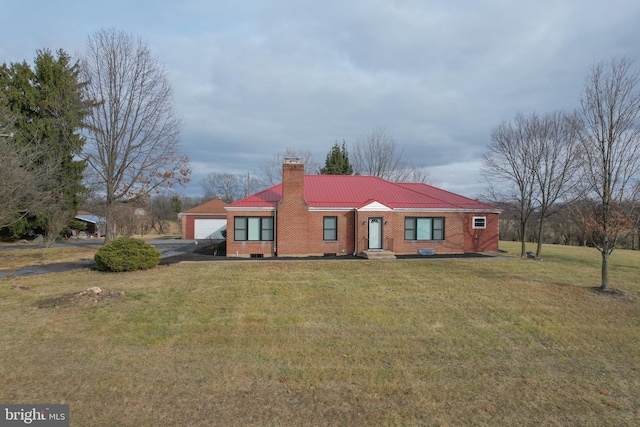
{"points": [[126, 254]]}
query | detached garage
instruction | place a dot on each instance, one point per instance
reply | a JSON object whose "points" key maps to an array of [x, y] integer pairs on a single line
{"points": [[205, 228], [205, 222]]}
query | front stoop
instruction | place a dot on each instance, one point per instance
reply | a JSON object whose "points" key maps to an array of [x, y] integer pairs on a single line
{"points": [[378, 255]]}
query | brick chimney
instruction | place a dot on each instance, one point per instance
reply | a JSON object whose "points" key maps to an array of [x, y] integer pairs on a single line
{"points": [[293, 211], [292, 178]]}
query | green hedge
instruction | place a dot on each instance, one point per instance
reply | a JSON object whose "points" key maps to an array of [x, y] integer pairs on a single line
{"points": [[126, 254]]}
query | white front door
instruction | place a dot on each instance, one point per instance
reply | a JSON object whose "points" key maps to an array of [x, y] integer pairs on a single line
{"points": [[375, 233]]}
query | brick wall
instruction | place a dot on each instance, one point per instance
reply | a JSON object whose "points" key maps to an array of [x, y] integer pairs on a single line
{"points": [[393, 232], [307, 239], [481, 239], [183, 227], [246, 248], [345, 243], [292, 229]]}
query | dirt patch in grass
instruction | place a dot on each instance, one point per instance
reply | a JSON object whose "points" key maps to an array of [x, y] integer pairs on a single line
{"points": [[613, 292], [90, 296]]}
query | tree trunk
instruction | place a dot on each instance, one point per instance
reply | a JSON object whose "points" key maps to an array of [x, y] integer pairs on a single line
{"points": [[523, 238], [110, 229], [605, 271], [539, 247]]}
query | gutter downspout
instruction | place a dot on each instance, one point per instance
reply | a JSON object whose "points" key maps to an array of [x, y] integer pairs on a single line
{"points": [[355, 231], [275, 232]]}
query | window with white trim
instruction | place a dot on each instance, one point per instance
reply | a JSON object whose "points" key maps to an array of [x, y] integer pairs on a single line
{"points": [[253, 228], [479, 222], [416, 228]]}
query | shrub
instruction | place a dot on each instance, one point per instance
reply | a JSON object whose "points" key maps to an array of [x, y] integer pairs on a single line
{"points": [[126, 254]]}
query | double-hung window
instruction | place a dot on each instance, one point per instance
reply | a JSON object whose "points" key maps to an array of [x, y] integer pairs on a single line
{"points": [[253, 228], [416, 228], [330, 228]]}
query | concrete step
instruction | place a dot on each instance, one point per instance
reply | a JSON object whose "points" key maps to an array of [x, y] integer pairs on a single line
{"points": [[378, 255]]}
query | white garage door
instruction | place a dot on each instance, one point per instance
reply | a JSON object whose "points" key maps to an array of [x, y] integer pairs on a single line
{"points": [[209, 228]]}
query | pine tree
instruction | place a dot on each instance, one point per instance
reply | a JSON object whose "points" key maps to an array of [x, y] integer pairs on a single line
{"points": [[337, 162], [176, 204], [49, 108]]}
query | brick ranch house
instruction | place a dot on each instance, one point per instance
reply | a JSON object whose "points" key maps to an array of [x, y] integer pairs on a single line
{"points": [[315, 215]]}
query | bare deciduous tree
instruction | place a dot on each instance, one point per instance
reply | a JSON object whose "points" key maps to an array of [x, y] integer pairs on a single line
{"points": [[57, 217], [228, 187], [189, 202], [554, 143], [30, 184], [17, 190], [608, 124], [509, 169], [133, 140], [378, 154], [531, 167], [20, 177], [30, 187], [420, 174], [271, 168]]}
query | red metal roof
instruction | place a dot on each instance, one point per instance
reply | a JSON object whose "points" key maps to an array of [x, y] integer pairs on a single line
{"points": [[354, 192]]}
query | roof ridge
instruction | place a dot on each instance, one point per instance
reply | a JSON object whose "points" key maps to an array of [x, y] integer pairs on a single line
{"points": [[355, 191], [199, 208], [448, 192]]}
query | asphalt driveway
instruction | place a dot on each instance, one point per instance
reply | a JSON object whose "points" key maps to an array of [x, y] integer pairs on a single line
{"points": [[170, 250]]}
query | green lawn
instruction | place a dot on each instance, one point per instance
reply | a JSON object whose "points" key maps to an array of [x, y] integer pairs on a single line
{"points": [[418, 342]]}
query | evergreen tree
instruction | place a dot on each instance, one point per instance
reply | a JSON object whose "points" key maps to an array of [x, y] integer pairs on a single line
{"points": [[49, 108], [337, 162], [62, 111], [176, 204]]}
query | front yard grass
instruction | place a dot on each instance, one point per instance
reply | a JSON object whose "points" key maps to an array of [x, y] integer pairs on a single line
{"points": [[20, 258], [418, 342]]}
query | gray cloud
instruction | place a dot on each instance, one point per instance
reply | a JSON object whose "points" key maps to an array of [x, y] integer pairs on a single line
{"points": [[253, 78]]}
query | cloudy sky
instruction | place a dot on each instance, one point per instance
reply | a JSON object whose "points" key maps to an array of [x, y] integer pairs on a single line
{"points": [[253, 78]]}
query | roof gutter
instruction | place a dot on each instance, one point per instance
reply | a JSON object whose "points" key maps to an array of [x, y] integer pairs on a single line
{"points": [[275, 232], [355, 232], [445, 210]]}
